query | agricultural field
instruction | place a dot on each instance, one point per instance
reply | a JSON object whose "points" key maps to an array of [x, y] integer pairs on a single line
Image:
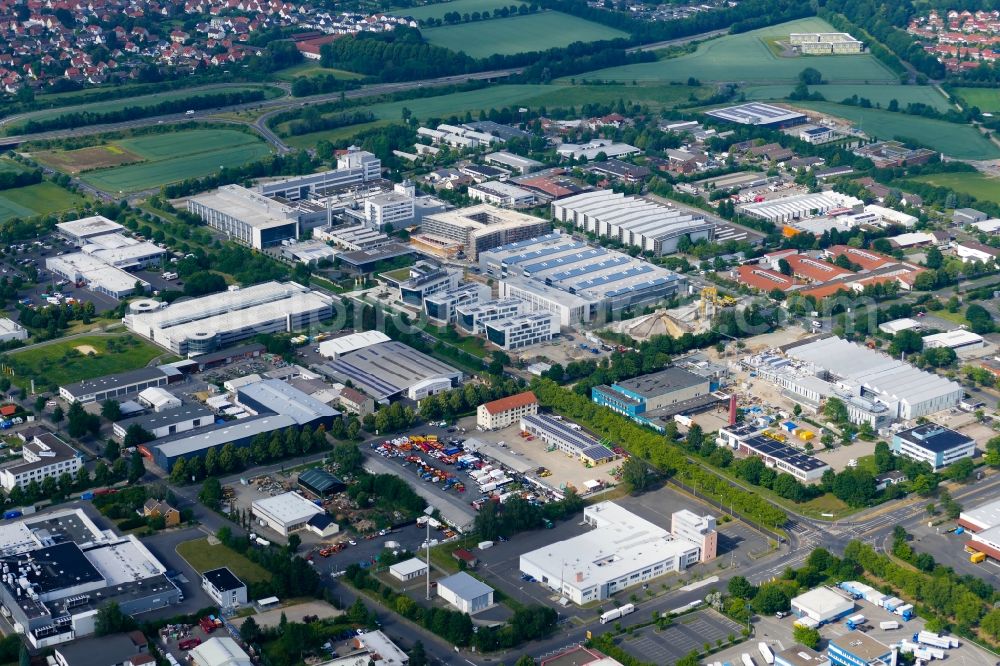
{"points": [[165, 158], [42, 198], [981, 186], [881, 95], [519, 34], [143, 100], [438, 10], [73, 360], [962, 142], [86, 159], [987, 99], [747, 58], [312, 68]]}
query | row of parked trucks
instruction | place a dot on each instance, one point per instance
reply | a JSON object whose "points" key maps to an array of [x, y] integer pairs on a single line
{"points": [[892, 604], [927, 646]]}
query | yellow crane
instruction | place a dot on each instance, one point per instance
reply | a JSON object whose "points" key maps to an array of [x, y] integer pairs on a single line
{"points": [[711, 295]]}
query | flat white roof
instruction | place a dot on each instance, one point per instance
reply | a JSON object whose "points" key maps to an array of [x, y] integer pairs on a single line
{"points": [[823, 602], [288, 508], [89, 226], [352, 342], [897, 325], [913, 238], [409, 567], [621, 543], [988, 226], [9, 326], [956, 338], [755, 113], [80, 265], [248, 206], [987, 515], [798, 205]]}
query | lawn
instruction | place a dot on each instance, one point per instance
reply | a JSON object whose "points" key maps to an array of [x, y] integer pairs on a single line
{"points": [[313, 68], [825, 504], [439, 9], [202, 556], [962, 142], [40, 199], [519, 34], [746, 57], [67, 361], [177, 155], [143, 100], [8, 165], [880, 94], [987, 99], [977, 185]]}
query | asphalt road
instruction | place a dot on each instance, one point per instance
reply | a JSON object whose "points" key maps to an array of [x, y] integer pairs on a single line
{"points": [[274, 106]]}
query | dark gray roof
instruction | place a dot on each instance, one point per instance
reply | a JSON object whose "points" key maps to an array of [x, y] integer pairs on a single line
{"points": [[665, 381], [111, 382], [113, 649], [167, 417], [934, 437], [223, 579]]}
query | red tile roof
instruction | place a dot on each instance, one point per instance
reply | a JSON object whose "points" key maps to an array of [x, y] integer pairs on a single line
{"points": [[511, 402], [764, 278], [815, 269], [867, 259]]}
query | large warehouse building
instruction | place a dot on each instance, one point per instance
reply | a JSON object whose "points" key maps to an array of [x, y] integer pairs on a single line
{"points": [[247, 217], [822, 605], [571, 441], [392, 370], [801, 206], [641, 398], [623, 550], [216, 321], [636, 221], [574, 280], [758, 113], [68, 568], [482, 227]]}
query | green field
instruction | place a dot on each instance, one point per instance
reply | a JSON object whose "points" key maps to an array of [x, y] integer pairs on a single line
{"points": [[881, 94], [746, 57], [987, 99], [64, 361], [519, 34], [8, 165], [313, 68], [439, 9], [978, 185], [144, 100], [962, 142], [203, 556], [496, 97], [177, 156], [40, 199]]}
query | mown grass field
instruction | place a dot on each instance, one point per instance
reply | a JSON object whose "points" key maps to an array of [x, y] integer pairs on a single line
{"points": [[64, 361], [40, 199], [880, 94], [438, 10], [175, 156], [143, 100], [747, 58], [987, 99], [8, 165], [959, 141], [519, 34], [978, 185], [203, 556], [313, 68]]}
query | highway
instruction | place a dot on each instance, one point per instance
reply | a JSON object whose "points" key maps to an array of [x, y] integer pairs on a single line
{"points": [[272, 106]]}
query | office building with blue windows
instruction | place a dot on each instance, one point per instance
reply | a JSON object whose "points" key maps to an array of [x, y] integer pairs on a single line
{"points": [[637, 398], [934, 444]]}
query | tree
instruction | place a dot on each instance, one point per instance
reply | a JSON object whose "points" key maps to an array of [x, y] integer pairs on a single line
{"points": [[179, 473], [418, 655], [835, 410], [635, 474], [771, 598], [23, 657], [111, 410], [57, 414], [250, 631], [211, 493], [136, 468], [960, 470], [111, 620], [884, 460], [784, 267], [136, 435], [806, 636], [906, 342], [933, 258], [740, 587], [294, 541], [112, 450], [811, 76]]}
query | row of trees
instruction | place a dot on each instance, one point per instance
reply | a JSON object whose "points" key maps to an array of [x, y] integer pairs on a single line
{"points": [[519, 515], [290, 576], [17, 178], [263, 448]]}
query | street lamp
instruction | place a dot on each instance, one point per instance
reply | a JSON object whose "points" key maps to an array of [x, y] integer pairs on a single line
{"points": [[427, 544]]}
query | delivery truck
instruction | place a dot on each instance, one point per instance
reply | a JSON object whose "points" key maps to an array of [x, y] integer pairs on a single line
{"points": [[765, 652], [855, 621], [747, 660]]}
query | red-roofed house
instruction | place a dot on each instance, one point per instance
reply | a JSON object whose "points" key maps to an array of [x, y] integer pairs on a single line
{"points": [[506, 411]]}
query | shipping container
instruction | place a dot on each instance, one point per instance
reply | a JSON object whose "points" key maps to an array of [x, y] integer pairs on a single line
{"points": [[886, 626]]}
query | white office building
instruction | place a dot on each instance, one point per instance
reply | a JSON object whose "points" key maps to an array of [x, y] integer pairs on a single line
{"points": [[216, 321], [224, 587], [959, 340], [443, 306], [10, 330], [472, 318], [78, 231], [933, 444], [651, 226], [423, 279], [354, 167], [123, 252], [392, 208], [483, 227], [622, 551], [523, 330], [246, 217], [44, 456], [95, 274], [502, 194]]}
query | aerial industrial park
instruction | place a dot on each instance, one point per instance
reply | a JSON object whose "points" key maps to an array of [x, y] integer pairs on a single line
{"points": [[551, 334]]}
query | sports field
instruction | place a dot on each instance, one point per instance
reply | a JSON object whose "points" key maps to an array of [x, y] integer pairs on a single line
{"points": [[519, 34], [747, 58], [987, 99], [144, 100], [978, 185], [882, 94], [962, 142], [67, 361], [40, 199], [439, 9], [175, 156]]}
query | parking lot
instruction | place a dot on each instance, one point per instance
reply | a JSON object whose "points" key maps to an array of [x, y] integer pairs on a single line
{"points": [[499, 566], [949, 549], [686, 634]]}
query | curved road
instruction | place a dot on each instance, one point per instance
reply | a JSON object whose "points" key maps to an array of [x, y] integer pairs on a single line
{"points": [[273, 106]]}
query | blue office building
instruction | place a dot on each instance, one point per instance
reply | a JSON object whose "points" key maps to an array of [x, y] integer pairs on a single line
{"points": [[645, 399], [934, 444]]}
